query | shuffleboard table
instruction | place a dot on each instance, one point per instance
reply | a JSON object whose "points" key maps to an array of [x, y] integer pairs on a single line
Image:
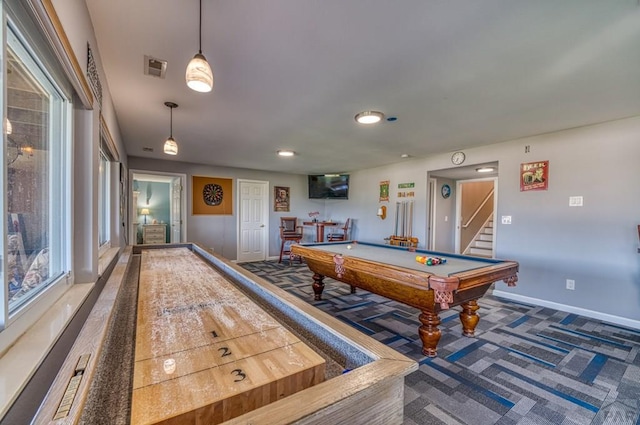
{"points": [[394, 272]]}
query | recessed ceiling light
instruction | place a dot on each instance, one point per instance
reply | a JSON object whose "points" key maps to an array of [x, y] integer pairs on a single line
{"points": [[485, 169], [369, 117], [404, 155], [286, 153]]}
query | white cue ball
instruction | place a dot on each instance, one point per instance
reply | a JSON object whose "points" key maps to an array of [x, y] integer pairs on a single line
{"points": [[348, 246]]}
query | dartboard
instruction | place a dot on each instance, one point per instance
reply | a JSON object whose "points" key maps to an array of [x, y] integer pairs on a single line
{"points": [[212, 194]]}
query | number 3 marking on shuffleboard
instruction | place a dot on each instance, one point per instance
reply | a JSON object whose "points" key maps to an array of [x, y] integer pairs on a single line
{"points": [[240, 374]]}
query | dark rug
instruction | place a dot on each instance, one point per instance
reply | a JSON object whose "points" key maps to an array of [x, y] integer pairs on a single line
{"points": [[526, 365]]}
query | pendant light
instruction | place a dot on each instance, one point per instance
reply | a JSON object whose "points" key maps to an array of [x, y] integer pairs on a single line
{"points": [[170, 146], [199, 75]]}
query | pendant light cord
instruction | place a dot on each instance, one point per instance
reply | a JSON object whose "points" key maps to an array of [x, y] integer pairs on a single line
{"points": [[200, 30], [171, 123]]}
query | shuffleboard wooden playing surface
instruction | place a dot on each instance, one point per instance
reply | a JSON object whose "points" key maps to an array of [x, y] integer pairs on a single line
{"points": [[205, 353]]}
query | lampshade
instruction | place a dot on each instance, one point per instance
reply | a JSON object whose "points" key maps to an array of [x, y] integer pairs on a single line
{"points": [[199, 75], [144, 211], [171, 147], [8, 128]]}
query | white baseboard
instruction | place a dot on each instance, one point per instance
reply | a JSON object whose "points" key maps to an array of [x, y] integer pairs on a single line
{"points": [[622, 321]]}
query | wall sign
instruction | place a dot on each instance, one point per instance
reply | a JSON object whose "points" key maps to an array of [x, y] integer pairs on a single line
{"points": [[281, 198], [534, 176], [384, 191]]}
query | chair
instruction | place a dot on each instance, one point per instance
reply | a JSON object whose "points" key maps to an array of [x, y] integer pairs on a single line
{"points": [[343, 236], [289, 232]]}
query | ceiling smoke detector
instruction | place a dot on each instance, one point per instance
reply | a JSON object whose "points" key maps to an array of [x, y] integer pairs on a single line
{"points": [[155, 67]]}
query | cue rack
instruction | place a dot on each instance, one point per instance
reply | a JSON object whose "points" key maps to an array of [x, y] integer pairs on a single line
{"points": [[404, 226]]}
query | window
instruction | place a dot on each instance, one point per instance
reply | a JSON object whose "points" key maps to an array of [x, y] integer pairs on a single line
{"points": [[36, 175], [103, 200]]}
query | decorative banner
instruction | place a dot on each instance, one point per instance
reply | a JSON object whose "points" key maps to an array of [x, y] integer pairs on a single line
{"points": [[212, 195], [281, 198], [405, 193], [534, 176], [384, 191]]}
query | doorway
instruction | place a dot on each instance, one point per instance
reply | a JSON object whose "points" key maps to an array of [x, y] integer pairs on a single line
{"points": [[253, 220], [158, 199], [446, 197], [476, 204]]}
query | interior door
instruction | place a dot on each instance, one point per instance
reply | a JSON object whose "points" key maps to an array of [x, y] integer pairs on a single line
{"points": [[176, 210], [253, 217]]}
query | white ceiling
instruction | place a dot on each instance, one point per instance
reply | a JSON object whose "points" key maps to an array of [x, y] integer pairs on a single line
{"points": [[292, 74]]}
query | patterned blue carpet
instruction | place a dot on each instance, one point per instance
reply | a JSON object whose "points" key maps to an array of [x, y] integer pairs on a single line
{"points": [[526, 365]]}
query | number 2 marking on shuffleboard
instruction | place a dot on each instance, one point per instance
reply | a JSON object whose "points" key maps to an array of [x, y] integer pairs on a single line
{"points": [[225, 351]]}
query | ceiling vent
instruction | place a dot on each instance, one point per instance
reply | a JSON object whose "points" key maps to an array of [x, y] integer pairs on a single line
{"points": [[147, 149], [155, 67]]}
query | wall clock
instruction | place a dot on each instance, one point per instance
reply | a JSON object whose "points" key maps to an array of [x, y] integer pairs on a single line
{"points": [[457, 158], [212, 194], [445, 191]]}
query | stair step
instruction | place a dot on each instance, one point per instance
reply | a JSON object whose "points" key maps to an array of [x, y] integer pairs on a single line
{"points": [[486, 237], [483, 244], [488, 230], [480, 252]]}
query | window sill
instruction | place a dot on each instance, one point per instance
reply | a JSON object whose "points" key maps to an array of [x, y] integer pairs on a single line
{"points": [[105, 259], [19, 363]]}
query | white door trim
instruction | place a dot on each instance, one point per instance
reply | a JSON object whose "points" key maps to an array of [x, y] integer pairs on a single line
{"points": [[169, 177], [459, 209], [431, 224]]}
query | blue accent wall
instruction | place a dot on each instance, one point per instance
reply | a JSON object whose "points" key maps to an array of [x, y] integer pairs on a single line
{"points": [[157, 197]]}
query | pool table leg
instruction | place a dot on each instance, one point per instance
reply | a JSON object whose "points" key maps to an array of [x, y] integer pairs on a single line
{"points": [[429, 332], [469, 318], [318, 286]]}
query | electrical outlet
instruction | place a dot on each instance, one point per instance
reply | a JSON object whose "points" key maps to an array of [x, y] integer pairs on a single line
{"points": [[571, 284], [506, 219]]}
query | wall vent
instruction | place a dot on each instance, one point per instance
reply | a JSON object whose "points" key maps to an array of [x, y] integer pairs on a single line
{"points": [[155, 67], [147, 149]]}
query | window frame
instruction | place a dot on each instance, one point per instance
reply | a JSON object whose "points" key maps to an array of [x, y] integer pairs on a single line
{"points": [[59, 176]]}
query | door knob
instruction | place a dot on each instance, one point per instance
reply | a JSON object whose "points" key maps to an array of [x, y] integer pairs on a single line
{"points": [[262, 225]]}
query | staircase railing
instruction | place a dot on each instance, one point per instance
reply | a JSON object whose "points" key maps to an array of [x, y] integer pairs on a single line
{"points": [[477, 235], [475, 213]]}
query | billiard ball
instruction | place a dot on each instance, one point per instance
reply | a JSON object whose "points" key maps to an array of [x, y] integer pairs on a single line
{"points": [[348, 246]]}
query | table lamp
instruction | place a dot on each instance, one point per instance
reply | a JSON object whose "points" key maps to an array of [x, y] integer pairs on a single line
{"points": [[145, 213]]}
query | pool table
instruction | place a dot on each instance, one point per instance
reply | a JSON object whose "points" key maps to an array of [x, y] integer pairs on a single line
{"points": [[394, 272]]}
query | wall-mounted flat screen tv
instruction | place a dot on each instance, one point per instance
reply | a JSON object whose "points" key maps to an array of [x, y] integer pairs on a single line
{"points": [[329, 186]]}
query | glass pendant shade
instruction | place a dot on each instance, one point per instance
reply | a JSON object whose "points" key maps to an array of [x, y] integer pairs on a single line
{"points": [[199, 75], [171, 147]]}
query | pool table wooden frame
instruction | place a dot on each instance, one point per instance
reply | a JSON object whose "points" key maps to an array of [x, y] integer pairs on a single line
{"points": [[424, 290]]}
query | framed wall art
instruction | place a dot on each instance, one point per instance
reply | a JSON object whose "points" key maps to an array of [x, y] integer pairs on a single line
{"points": [[384, 191], [534, 176], [281, 198], [212, 196]]}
